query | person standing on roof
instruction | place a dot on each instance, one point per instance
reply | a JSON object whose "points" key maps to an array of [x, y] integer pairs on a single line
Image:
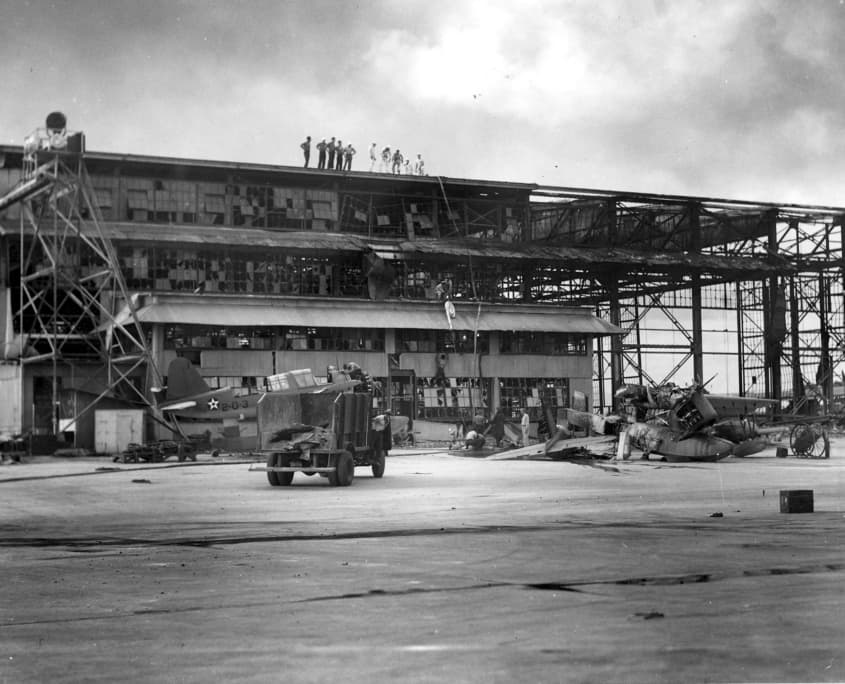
{"points": [[373, 157], [419, 166], [348, 153], [397, 161], [321, 156], [338, 151], [385, 160], [331, 149], [306, 150]]}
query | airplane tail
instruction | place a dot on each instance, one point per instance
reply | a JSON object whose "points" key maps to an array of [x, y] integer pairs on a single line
{"points": [[183, 380]]}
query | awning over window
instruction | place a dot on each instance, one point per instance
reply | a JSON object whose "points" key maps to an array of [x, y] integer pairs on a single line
{"points": [[211, 310]]}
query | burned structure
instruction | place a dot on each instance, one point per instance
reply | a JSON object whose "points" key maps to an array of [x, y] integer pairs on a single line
{"points": [[457, 296]]}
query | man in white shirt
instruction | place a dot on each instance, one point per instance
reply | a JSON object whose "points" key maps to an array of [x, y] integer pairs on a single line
{"points": [[525, 423], [373, 157]]}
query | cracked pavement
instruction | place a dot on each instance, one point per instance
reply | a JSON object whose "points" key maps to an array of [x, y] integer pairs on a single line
{"points": [[448, 568]]}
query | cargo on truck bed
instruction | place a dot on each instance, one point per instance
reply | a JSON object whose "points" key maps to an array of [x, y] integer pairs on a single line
{"points": [[321, 434]]}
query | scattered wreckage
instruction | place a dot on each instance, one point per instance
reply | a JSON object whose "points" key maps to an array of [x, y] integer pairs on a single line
{"points": [[690, 424], [678, 424], [157, 452]]}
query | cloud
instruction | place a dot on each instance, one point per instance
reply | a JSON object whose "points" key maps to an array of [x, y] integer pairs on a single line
{"points": [[687, 97], [582, 60], [689, 94]]}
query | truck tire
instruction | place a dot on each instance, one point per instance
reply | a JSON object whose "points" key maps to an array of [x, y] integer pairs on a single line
{"points": [[378, 463], [273, 478], [345, 470]]}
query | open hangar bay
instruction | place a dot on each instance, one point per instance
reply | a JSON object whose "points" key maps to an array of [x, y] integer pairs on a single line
{"points": [[447, 569]]}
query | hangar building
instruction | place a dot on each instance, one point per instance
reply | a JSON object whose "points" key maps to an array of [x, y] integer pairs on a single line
{"points": [[459, 296], [432, 285]]}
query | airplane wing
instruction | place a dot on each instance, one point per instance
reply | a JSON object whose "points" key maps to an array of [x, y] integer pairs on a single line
{"points": [[728, 406], [558, 448]]}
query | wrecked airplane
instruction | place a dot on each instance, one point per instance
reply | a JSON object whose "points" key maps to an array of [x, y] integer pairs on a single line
{"points": [[690, 424]]}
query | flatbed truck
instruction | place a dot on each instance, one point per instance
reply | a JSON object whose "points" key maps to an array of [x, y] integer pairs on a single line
{"points": [[327, 434]]}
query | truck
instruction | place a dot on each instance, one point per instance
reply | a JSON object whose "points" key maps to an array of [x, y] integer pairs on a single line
{"points": [[326, 434]]}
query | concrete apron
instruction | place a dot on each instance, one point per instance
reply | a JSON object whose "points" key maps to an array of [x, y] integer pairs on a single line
{"points": [[447, 568]]}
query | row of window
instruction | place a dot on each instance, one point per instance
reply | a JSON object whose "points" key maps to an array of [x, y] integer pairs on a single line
{"points": [[221, 269], [185, 337], [265, 206], [463, 398]]}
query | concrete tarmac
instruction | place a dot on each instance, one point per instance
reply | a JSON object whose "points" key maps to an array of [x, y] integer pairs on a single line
{"points": [[447, 569]]}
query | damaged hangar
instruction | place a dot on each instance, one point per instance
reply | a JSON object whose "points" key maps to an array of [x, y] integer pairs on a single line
{"points": [[458, 296]]}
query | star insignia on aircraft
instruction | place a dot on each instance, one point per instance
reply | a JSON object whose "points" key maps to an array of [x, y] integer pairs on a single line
{"points": [[213, 404]]}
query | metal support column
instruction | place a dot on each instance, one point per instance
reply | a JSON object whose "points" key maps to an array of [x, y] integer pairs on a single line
{"points": [[697, 349], [616, 377], [795, 345], [824, 377], [770, 313]]}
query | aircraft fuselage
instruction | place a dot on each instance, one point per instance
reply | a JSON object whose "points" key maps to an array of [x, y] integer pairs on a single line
{"points": [[657, 439]]}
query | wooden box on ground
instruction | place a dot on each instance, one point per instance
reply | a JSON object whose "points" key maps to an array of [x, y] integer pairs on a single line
{"points": [[796, 500]]}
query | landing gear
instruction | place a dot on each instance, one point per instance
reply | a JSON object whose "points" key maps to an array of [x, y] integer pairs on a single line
{"points": [[809, 441]]}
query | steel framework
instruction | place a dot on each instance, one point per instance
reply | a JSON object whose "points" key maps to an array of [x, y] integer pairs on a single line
{"points": [[790, 325], [74, 306]]}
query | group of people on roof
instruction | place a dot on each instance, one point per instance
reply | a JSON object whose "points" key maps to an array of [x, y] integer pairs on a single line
{"points": [[395, 162], [333, 155]]}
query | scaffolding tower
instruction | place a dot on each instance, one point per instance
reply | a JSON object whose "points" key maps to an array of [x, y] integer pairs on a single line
{"points": [[74, 306]]}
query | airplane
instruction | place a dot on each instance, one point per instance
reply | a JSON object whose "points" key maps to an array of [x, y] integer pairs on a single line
{"points": [[228, 420], [690, 424]]}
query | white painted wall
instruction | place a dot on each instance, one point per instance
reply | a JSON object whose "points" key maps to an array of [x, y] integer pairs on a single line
{"points": [[11, 390], [115, 429]]}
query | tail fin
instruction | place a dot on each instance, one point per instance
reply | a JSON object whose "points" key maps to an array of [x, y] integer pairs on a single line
{"points": [[183, 380]]}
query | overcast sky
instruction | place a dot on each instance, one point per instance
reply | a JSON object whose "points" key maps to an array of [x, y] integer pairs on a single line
{"points": [[741, 99]]}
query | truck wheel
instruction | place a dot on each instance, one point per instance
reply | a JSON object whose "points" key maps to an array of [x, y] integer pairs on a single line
{"points": [[273, 478], [345, 471], [378, 464]]}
